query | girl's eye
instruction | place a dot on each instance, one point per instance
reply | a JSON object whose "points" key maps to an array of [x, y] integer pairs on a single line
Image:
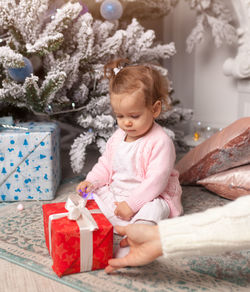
{"points": [[118, 117], [135, 117]]}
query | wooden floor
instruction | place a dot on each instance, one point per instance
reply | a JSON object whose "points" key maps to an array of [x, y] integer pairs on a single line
{"points": [[14, 278]]}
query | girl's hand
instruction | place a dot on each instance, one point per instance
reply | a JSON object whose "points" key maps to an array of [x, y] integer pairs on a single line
{"points": [[85, 186], [123, 211], [144, 242]]}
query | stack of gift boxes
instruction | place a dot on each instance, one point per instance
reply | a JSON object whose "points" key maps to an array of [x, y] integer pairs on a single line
{"points": [[30, 170]]}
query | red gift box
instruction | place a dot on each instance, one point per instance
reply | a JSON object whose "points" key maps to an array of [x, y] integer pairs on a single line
{"points": [[72, 250]]}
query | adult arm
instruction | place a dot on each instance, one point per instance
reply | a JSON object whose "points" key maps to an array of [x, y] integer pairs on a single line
{"points": [[214, 231]]}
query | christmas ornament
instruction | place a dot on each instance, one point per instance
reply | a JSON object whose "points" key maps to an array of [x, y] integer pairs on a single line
{"points": [[111, 9], [20, 74], [20, 207]]}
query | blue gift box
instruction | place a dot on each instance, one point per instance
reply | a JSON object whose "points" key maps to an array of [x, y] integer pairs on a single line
{"points": [[30, 162]]}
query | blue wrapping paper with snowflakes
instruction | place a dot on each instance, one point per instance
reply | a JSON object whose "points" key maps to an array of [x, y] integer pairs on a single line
{"points": [[29, 162]]}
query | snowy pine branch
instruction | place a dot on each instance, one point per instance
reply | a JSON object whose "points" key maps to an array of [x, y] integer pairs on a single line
{"points": [[46, 44], [215, 15], [28, 18], [9, 58], [63, 18], [52, 83], [197, 34], [32, 92], [78, 150], [7, 13], [12, 93]]}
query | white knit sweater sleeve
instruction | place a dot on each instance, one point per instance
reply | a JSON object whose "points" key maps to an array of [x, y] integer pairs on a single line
{"points": [[213, 231]]}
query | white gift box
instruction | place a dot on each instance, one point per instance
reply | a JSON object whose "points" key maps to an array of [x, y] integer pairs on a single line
{"points": [[29, 162]]}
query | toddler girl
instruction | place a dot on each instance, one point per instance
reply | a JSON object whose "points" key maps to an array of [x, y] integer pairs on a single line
{"points": [[134, 181]]}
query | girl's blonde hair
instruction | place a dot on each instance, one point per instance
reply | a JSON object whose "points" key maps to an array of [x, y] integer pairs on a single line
{"points": [[126, 78]]}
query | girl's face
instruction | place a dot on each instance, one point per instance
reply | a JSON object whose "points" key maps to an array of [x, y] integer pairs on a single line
{"points": [[132, 114]]}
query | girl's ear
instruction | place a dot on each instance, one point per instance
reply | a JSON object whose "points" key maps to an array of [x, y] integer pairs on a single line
{"points": [[156, 109]]}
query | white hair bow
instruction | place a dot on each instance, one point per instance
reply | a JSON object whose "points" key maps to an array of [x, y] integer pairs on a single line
{"points": [[117, 70]]}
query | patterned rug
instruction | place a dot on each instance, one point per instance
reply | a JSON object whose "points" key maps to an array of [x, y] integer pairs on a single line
{"points": [[22, 242]]}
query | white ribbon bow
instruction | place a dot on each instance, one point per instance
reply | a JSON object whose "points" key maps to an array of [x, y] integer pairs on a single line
{"points": [[76, 207]]}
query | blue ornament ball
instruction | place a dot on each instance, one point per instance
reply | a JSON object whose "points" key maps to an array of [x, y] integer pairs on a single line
{"points": [[19, 74], [111, 9]]}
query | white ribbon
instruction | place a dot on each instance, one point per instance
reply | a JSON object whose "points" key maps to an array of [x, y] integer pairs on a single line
{"points": [[76, 207], [77, 211]]}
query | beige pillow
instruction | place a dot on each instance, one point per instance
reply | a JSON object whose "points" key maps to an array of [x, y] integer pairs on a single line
{"points": [[224, 150], [230, 184]]}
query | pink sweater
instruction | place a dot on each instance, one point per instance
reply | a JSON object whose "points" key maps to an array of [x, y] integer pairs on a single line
{"points": [[155, 168]]}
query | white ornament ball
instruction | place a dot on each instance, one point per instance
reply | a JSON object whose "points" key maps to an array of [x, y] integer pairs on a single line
{"points": [[111, 9], [20, 207]]}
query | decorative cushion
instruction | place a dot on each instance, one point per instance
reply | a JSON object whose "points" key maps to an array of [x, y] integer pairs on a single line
{"points": [[230, 184], [224, 150]]}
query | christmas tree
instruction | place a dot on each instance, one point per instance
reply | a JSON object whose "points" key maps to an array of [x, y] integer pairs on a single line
{"points": [[52, 55]]}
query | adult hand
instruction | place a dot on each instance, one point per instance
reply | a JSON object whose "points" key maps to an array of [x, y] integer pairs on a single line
{"points": [[123, 211], [145, 246]]}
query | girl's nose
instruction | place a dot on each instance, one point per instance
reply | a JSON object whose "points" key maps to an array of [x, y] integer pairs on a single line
{"points": [[128, 123]]}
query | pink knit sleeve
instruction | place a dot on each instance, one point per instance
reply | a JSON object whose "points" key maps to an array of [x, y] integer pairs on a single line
{"points": [[160, 164]]}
